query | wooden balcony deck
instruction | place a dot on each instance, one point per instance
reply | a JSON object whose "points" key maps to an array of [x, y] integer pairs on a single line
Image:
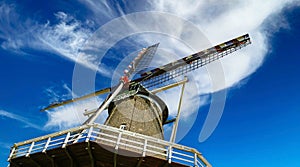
{"points": [[102, 146]]}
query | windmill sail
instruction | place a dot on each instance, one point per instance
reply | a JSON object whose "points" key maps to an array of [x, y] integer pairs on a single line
{"points": [[174, 69], [182, 66], [147, 57]]}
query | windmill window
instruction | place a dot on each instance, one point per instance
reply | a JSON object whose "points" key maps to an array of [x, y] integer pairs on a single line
{"points": [[123, 126]]}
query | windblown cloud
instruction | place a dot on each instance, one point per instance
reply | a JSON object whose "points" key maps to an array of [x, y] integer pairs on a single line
{"points": [[69, 115], [222, 20], [235, 18], [19, 118], [218, 20], [65, 37]]}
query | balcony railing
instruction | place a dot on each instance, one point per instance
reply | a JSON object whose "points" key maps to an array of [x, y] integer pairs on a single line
{"points": [[115, 138]]}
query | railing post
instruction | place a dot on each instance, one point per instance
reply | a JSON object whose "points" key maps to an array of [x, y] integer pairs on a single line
{"points": [[118, 141], [170, 155], [66, 140], [46, 145], [89, 134], [30, 149], [11, 153], [195, 160], [145, 148]]}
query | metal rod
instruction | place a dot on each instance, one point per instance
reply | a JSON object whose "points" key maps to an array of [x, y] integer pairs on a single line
{"points": [[105, 104], [139, 162], [99, 92], [69, 156], [174, 130], [51, 159], [115, 160], [35, 163], [90, 154], [88, 113], [170, 86]]}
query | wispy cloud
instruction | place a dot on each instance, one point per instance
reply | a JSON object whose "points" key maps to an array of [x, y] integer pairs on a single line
{"points": [[13, 34], [223, 20], [219, 21], [70, 115], [235, 18], [59, 92], [19, 118], [65, 37]]}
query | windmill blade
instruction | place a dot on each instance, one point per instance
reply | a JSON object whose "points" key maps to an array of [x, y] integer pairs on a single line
{"points": [[182, 66], [172, 70], [147, 57], [57, 104], [140, 62]]}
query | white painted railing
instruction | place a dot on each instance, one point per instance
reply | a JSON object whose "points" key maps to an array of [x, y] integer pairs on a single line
{"points": [[117, 139]]}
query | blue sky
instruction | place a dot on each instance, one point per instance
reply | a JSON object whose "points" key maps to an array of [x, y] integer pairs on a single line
{"points": [[40, 43]]}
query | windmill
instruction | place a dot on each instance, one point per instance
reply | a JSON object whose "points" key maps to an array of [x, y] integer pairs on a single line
{"points": [[132, 134]]}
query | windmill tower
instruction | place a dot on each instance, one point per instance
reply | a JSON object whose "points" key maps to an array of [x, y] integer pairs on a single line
{"points": [[132, 135]]}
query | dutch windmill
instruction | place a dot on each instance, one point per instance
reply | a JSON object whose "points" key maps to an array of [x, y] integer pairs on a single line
{"points": [[132, 134]]}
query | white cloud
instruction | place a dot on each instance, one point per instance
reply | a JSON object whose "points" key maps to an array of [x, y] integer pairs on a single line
{"points": [[101, 8], [19, 118], [235, 17], [14, 34], [67, 38], [223, 20], [219, 21], [70, 115], [64, 38]]}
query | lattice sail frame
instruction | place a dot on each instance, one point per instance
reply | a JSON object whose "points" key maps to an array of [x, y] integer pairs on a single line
{"points": [[182, 66], [172, 70], [147, 57]]}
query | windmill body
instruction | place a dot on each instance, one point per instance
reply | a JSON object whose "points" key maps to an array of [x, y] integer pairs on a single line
{"points": [[143, 113], [132, 134]]}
